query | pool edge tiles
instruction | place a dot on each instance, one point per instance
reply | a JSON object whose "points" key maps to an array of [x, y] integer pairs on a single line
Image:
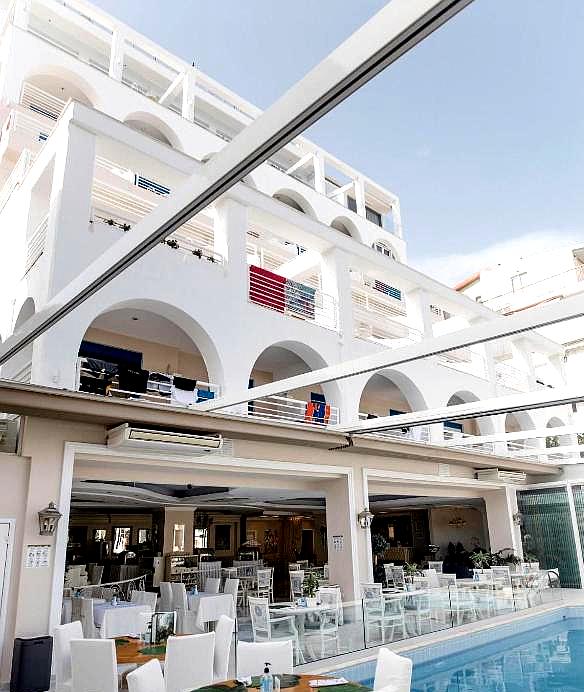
{"points": [[421, 653]]}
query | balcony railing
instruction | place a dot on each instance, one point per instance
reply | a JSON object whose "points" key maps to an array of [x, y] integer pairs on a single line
{"points": [[36, 244], [512, 377], [419, 433], [16, 176], [465, 360], [286, 409], [291, 298]]}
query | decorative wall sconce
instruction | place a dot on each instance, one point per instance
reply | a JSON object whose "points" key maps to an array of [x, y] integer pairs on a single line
{"points": [[48, 520], [365, 517], [457, 522], [518, 519]]}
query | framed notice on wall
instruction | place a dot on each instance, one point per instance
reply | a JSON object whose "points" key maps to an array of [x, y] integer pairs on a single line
{"points": [[37, 556]]}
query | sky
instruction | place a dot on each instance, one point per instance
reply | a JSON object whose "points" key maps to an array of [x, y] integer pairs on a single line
{"points": [[479, 130]]}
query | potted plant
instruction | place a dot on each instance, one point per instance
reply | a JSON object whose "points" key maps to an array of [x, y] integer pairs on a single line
{"points": [[480, 559], [309, 589], [410, 571]]}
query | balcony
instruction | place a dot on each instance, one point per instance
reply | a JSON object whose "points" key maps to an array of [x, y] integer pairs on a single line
{"points": [[512, 377], [288, 410], [465, 360], [419, 433]]}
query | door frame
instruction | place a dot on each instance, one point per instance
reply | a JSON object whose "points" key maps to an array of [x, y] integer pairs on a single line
{"points": [[5, 587]]}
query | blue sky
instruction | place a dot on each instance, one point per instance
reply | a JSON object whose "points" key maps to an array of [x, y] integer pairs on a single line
{"points": [[479, 130]]}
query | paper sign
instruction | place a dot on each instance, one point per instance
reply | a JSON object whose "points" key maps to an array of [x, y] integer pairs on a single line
{"points": [[37, 556], [338, 542]]}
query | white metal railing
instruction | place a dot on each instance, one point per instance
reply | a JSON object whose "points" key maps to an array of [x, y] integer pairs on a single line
{"points": [[283, 408], [16, 176], [512, 377], [36, 244], [472, 444], [292, 298], [418, 433], [465, 360], [121, 589]]}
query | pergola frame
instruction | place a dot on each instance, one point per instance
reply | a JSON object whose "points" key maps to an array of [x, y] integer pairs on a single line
{"points": [[388, 35]]}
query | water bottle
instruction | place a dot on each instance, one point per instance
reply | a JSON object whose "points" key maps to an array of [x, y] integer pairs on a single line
{"points": [[277, 683], [195, 590], [267, 680]]}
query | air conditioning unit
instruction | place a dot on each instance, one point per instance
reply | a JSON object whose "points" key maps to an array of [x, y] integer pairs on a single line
{"points": [[497, 476], [127, 435]]}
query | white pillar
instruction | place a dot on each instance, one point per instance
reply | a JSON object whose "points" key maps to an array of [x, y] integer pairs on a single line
{"points": [[188, 94], [522, 351], [117, 51], [419, 313], [501, 505], [360, 197], [230, 239], [397, 220], [70, 206], [22, 13], [336, 281]]}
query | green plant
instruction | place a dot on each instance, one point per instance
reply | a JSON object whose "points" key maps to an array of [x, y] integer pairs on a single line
{"points": [[552, 441], [480, 559], [504, 556], [379, 544], [310, 585], [411, 569]]}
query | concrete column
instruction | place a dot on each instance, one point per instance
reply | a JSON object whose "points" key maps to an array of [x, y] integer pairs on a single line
{"points": [[182, 517], [70, 205], [336, 281], [522, 351], [360, 197], [230, 231], [419, 313], [397, 220], [319, 174], [117, 50], [22, 13], [500, 448], [188, 94], [349, 546], [501, 505]]}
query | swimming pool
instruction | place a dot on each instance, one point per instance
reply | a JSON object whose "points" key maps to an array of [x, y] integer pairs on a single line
{"points": [[544, 653]]}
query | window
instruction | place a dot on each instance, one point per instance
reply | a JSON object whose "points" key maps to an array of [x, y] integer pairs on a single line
{"points": [[384, 249], [200, 538], [122, 538], [518, 281], [143, 535], [99, 535], [178, 538], [373, 216], [352, 204]]}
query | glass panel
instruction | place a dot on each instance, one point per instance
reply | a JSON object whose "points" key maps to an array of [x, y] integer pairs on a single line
{"points": [[122, 536], [547, 532]]}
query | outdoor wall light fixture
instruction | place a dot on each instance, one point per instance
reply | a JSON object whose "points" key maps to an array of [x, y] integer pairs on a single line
{"points": [[518, 519], [48, 520], [365, 517]]}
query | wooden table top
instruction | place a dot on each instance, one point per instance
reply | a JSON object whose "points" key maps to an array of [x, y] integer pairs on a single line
{"points": [[133, 650]]}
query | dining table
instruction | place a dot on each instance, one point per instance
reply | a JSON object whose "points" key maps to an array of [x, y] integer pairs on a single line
{"points": [[120, 619], [209, 607], [288, 681]]}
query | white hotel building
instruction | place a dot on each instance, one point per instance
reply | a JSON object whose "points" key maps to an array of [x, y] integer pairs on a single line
{"points": [[302, 265]]}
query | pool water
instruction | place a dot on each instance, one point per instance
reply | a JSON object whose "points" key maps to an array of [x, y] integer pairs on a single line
{"points": [[545, 659]]}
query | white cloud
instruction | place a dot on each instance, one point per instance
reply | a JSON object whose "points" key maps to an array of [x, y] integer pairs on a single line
{"points": [[449, 269]]}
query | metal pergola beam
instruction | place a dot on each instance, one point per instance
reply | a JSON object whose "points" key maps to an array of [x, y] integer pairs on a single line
{"points": [[528, 434], [393, 31], [521, 322]]}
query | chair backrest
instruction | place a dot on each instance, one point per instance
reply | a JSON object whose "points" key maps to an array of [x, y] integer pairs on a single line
{"points": [[212, 584], [296, 582], [62, 636], [93, 665], [231, 586], [189, 661], [501, 575], [485, 575], [223, 638], [264, 578], [251, 658], [259, 611], [436, 564], [392, 671], [87, 620], [149, 598], [165, 596], [293, 567], [146, 678], [432, 577], [95, 574], [394, 606], [420, 583], [325, 572], [387, 567], [371, 590], [179, 596], [330, 595], [447, 579]]}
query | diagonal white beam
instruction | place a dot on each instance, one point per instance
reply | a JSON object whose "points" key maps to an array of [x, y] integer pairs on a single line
{"points": [[528, 320], [393, 31], [174, 85], [305, 159], [487, 407]]}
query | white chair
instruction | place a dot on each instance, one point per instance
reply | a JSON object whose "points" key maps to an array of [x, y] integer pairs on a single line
{"points": [[189, 662], [447, 579], [87, 619], [264, 583], [463, 604], [432, 576], [387, 567], [327, 624], [232, 586], [223, 638], [251, 658], [62, 636], [93, 665], [296, 582], [212, 585], [399, 579], [437, 565], [393, 673], [185, 619], [146, 678], [371, 590], [147, 598], [165, 596], [266, 628], [419, 610]]}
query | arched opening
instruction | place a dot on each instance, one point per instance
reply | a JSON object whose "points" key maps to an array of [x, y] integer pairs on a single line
{"points": [[391, 393], [26, 311], [552, 440], [517, 422], [151, 350], [346, 227], [152, 127], [46, 94], [295, 201], [314, 404], [469, 426]]}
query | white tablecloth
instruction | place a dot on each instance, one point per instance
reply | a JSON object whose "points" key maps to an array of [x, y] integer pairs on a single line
{"points": [[120, 620], [211, 606]]}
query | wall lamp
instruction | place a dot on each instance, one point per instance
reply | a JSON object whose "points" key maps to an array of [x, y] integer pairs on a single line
{"points": [[48, 520], [365, 517], [518, 519]]}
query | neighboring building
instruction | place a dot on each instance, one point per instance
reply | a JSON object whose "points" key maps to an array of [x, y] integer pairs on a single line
{"points": [[302, 265]]}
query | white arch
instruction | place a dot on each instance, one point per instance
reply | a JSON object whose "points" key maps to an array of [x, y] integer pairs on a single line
{"points": [[344, 225], [193, 330], [562, 440], [484, 424], [406, 386], [153, 127], [27, 310], [384, 247], [295, 200], [63, 84]]}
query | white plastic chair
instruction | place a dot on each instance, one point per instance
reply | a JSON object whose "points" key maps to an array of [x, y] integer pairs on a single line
{"points": [[432, 576], [146, 678], [251, 658], [437, 565], [189, 662], [371, 590], [232, 586], [87, 619], [165, 596], [296, 582], [393, 673], [264, 583], [62, 636], [223, 638], [93, 665], [147, 598], [212, 585], [267, 628]]}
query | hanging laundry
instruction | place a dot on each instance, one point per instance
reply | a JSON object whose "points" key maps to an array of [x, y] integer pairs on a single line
{"points": [[267, 288], [300, 299]]}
